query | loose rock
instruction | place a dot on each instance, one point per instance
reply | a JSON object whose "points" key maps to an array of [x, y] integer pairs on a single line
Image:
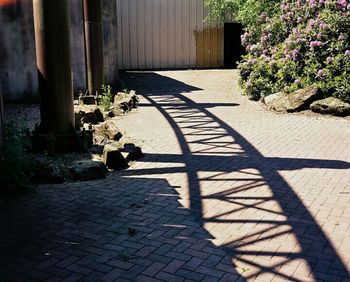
{"points": [[135, 99], [293, 102], [91, 115], [94, 117], [87, 100], [124, 102], [113, 158], [47, 173], [135, 152], [271, 99], [331, 106], [111, 114], [78, 116], [109, 130], [118, 110], [88, 170]]}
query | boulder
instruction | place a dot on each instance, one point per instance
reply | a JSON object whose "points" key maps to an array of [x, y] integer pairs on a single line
{"points": [[331, 106], [100, 140], [110, 130], [87, 100], [49, 173], [293, 102], [122, 96], [91, 115], [118, 110], [111, 114], [78, 116], [271, 99], [113, 158], [135, 98], [124, 102], [94, 116], [134, 152], [57, 173], [88, 170]]}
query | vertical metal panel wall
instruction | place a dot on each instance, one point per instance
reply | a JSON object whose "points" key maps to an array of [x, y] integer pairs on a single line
{"points": [[167, 34]]}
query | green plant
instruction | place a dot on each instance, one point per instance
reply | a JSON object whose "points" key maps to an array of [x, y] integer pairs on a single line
{"points": [[106, 97], [126, 90], [247, 12], [304, 43], [15, 164]]}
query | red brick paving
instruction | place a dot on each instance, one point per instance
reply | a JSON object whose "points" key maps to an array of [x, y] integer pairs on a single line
{"points": [[226, 192]]}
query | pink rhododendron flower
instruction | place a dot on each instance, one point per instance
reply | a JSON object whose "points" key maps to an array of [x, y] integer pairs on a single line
{"points": [[295, 54], [343, 3], [312, 3], [314, 44], [320, 73], [302, 35], [323, 26]]}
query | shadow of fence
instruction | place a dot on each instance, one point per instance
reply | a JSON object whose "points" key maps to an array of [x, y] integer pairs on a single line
{"points": [[279, 238]]}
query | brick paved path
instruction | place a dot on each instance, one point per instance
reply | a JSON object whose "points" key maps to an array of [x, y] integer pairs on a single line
{"points": [[227, 191]]}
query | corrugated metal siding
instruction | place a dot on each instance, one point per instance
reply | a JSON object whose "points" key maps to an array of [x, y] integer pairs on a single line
{"points": [[167, 34]]}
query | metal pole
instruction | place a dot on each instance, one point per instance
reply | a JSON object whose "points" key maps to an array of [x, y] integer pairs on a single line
{"points": [[1, 118], [52, 40], [93, 45]]}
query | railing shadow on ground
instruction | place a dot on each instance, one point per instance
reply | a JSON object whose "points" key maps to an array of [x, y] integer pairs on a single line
{"points": [[246, 172], [82, 232]]}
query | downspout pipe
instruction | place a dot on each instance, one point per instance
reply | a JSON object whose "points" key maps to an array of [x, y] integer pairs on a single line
{"points": [[93, 45], [1, 118]]}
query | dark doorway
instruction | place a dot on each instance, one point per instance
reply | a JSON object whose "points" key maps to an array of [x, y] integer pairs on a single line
{"points": [[233, 49]]}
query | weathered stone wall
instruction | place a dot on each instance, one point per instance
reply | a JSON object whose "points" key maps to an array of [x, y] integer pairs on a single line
{"points": [[18, 74]]}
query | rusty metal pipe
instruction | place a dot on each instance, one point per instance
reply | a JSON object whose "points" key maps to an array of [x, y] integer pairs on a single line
{"points": [[93, 45], [1, 118], [52, 41]]}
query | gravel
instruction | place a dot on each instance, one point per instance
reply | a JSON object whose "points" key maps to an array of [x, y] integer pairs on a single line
{"points": [[23, 115]]}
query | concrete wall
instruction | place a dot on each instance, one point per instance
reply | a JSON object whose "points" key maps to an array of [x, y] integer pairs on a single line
{"points": [[17, 50], [18, 74]]}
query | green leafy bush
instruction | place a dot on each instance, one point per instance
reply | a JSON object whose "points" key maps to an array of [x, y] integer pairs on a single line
{"points": [[106, 97], [15, 163], [305, 42], [246, 12]]}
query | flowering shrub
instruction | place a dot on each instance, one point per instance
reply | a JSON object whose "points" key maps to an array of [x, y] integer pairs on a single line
{"points": [[244, 11], [306, 42]]}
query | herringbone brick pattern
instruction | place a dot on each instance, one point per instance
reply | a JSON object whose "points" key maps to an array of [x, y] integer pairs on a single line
{"points": [[226, 192]]}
